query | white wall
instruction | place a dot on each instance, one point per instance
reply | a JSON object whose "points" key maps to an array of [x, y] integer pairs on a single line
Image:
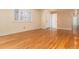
{"points": [[45, 23], [8, 25]]}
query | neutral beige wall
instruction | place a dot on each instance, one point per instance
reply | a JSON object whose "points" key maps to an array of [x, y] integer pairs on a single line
{"points": [[64, 19], [8, 24], [40, 19]]}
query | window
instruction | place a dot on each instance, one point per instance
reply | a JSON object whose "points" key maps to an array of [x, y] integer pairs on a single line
{"points": [[23, 15]]}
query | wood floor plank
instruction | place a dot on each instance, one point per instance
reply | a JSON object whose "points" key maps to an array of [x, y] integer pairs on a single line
{"points": [[40, 39]]}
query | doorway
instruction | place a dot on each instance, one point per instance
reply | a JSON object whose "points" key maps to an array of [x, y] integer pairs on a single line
{"points": [[53, 21], [75, 22]]}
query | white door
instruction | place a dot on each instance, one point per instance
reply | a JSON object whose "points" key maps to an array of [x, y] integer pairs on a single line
{"points": [[53, 21]]}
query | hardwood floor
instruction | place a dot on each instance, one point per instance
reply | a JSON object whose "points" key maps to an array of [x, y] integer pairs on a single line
{"points": [[40, 38]]}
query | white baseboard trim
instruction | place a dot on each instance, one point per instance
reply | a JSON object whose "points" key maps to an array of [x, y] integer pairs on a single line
{"points": [[3, 34], [65, 28], [59, 28], [9, 33], [6, 33]]}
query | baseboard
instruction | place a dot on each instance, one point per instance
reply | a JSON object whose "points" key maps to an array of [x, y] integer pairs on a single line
{"points": [[3, 34], [65, 28], [10, 33], [58, 28], [6, 33]]}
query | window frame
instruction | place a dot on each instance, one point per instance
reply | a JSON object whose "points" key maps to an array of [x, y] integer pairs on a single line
{"points": [[19, 18]]}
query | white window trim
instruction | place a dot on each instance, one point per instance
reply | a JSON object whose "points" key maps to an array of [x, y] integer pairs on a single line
{"points": [[28, 20]]}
